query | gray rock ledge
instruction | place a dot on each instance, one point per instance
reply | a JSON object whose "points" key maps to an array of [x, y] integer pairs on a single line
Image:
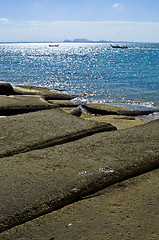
{"points": [[105, 109], [14, 104], [48, 94]]}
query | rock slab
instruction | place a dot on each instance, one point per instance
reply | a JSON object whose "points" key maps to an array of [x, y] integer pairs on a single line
{"points": [[45, 128], [127, 210], [48, 94], [105, 109], [41, 181], [13, 104], [119, 121]]}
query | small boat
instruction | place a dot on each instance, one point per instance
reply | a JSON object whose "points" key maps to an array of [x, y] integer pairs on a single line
{"points": [[53, 45], [117, 46]]}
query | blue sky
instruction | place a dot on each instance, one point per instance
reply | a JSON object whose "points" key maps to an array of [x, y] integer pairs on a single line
{"points": [[56, 20]]}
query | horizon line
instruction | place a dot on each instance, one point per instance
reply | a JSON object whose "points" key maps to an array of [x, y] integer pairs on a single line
{"points": [[73, 41]]}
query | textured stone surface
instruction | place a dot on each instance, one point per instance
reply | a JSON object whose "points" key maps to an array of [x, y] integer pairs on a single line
{"points": [[45, 92], [127, 210], [13, 104], [40, 129], [36, 182], [74, 111], [63, 103], [41, 181], [119, 121], [105, 109]]}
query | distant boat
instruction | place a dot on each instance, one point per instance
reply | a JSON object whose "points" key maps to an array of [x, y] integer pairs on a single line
{"points": [[53, 45], [117, 46]]}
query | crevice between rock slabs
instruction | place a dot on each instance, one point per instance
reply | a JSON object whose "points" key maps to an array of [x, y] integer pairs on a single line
{"points": [[94, 185]]}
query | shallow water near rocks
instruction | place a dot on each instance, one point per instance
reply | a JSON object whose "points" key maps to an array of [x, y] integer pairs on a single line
{"points": [[95, 72]]}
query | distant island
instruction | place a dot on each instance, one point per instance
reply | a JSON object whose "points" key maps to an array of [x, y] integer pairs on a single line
{"points": [[84, 40]]}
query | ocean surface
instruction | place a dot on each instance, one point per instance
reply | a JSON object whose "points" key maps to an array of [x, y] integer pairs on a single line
{"points": [[95, 72]]}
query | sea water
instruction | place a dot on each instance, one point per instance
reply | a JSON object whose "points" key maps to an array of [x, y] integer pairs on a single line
{"points": [[92, 71]]}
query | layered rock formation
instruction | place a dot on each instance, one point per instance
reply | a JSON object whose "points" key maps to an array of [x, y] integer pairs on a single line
{"points": [[64, 177]]}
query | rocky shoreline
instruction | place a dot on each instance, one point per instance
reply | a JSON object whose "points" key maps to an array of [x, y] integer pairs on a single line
{"points": [[66, 174]]}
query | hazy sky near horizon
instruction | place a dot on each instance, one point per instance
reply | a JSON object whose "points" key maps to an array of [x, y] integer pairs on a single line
{"points": [[56, 20]]}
